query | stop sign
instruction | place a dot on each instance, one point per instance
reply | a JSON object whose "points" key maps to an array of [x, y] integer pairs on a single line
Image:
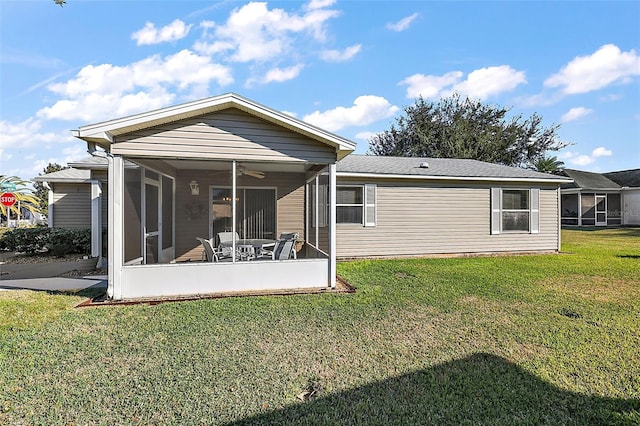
{"points": [[7, 199]]}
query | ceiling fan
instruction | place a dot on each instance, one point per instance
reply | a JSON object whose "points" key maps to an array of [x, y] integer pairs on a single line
{"points": [[242, 170]]}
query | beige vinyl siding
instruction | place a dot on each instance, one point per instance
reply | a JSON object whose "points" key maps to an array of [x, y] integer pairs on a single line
{"points": [[230, 134], [71, 205], [422, 219], [289, 206]]}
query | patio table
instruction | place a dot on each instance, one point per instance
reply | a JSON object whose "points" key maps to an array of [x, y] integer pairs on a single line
{"points": [[255, 244]]}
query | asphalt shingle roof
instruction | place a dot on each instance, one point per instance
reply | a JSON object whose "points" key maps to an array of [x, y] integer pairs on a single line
{"points": [[589, 180], [629, 178], [66, 175], [438, 167], [90, 163]]}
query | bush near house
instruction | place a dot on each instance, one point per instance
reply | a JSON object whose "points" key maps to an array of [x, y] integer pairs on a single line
{"points": [[56, 241]]}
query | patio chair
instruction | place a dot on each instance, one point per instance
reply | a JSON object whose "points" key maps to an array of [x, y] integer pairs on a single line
{"points": [[225, 238], [285, 247], [210, 254]]}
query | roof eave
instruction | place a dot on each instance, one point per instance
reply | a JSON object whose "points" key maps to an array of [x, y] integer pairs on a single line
{"points": [[463, 178]]}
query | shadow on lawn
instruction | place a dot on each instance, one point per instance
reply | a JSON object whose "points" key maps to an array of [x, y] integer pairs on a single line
{"points": [[482, 389]]}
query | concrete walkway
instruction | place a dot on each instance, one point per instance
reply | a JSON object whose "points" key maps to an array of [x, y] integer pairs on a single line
{"points": [[54, 283], [46, 276]]}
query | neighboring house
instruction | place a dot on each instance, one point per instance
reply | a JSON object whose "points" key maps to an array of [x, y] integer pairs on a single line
{"points": [[595, 199], [77, 199], [629, 180], [227, 163]]}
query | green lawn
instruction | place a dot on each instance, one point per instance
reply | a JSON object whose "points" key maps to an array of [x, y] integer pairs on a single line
{"points": [[534, 340]]}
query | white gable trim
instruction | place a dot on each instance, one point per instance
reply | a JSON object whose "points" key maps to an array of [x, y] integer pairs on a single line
{"points": [[104, 133]]}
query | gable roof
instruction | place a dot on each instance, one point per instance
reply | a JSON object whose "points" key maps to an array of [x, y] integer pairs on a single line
{"points": [[67, 175], [589, 180], [438, 168], [103, 133], [628, 178], [92, 162]]}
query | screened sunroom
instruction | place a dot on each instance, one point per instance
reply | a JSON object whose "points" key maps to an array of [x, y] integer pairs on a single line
{"points": [[226, 171]]}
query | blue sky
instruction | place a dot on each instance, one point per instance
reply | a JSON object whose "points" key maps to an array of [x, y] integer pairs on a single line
{"points": [[349, 67]]}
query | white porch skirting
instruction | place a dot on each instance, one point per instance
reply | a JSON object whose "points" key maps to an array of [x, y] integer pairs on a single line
{"points": [[190, 279]]}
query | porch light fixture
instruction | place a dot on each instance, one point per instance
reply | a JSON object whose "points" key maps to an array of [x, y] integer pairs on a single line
{"points": [[195, 189]]}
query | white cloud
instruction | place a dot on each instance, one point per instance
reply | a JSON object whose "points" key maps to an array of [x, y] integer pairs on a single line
{"points": [[279, 75], [575, 113], [582, 160], [365, 110], [601, 152], [4, 155], [319, 4], [26, 134], [588, 73], [151, 35], [402, 24], [365, 136], [340, 56], [486, 82], [481, 83], [254, 32], [429, 86], [292, 114], [102, 91]]}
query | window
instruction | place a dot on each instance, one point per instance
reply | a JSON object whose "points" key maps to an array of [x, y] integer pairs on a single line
{"points": [[515, 210], [356, 204]]}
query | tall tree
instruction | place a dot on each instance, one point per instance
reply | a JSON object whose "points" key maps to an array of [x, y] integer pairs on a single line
{"points": [[41, 192], [24, 196], [454, 127], [548, 164]]}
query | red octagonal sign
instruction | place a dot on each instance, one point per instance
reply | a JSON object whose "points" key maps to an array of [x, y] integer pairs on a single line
{"points": [[7, 199]]}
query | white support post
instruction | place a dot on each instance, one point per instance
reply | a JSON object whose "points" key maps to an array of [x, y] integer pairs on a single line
{"points": [[317, 212], [49, 206], [559, 207], [579, 208], [116, 228], [332, 225], [233, 211], [96, 220]]}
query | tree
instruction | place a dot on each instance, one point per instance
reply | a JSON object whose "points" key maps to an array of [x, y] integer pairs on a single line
{"points": [[548, 165], [454, 127], [24, 196], [41, 192]]}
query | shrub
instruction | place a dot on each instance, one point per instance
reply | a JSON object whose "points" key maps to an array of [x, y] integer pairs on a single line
{"points": [[70, 241], [57, 241], [27, 240]]}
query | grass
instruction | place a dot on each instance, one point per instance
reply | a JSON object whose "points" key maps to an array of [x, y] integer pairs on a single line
{"points": [[494, 340]]}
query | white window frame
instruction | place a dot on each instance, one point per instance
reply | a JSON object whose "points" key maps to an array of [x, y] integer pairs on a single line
{"points": [[497, 210], [369, 200]]}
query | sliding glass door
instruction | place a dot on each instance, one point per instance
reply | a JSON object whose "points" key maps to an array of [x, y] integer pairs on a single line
{"points": [[255, 209]]}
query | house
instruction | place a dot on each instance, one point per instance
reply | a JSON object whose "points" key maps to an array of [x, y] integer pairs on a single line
{"points": [[629, 181], [596, 199], [415, 206], [77, 199], [227, 163]]}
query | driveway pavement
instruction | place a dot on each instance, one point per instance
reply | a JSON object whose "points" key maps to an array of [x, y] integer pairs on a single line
{"points": [[45, 276], [55, 283]]}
